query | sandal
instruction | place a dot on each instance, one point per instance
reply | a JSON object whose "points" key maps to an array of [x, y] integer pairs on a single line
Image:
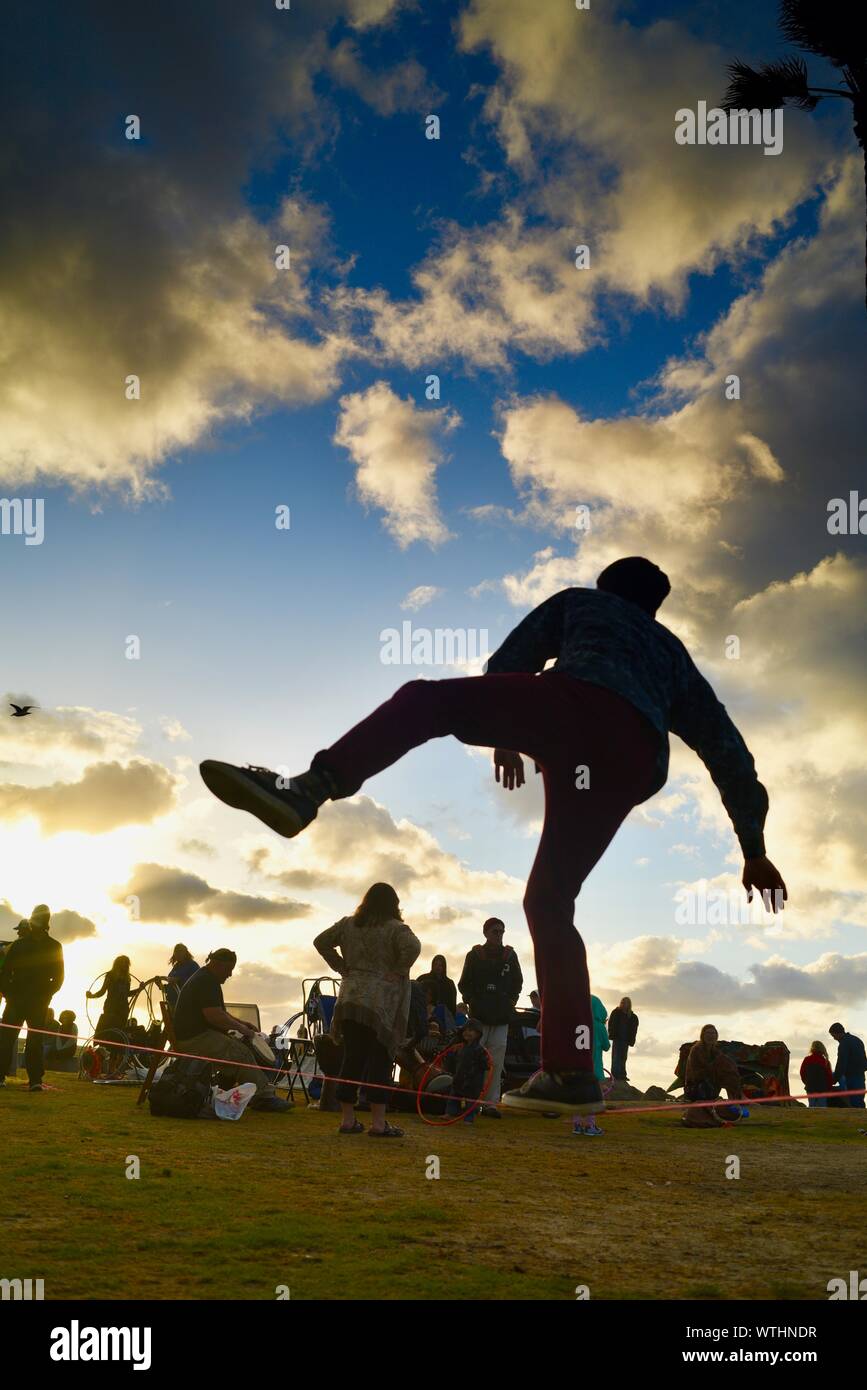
{"points": [[390, 1132], [356, 1128]]}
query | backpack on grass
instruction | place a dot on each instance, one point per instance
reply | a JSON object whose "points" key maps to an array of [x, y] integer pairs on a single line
{"points": [[183, 1090]]}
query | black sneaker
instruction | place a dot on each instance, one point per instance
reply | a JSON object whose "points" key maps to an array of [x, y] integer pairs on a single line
{"points": [[490, 1112], [259, 791], [569, 1093], [36, 1086]]}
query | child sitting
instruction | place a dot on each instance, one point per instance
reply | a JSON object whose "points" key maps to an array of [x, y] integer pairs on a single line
{"points": [[468, 1064]]}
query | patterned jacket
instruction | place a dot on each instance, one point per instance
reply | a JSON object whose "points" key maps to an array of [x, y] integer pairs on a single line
{"points": [[374, 962], [608, 641]]}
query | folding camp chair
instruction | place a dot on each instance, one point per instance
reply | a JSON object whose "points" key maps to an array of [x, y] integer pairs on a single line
{"points": [[167, 1036], [319, 998]]}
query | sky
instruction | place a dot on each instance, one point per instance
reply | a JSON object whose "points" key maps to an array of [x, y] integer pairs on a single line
{"points": [[173, 386]]}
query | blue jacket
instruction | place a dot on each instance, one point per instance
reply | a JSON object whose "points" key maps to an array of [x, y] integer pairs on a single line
{"points": [[600, 1035], [608, 641], [851, 1059]]}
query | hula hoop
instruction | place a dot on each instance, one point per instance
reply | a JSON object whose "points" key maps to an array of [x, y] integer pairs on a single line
{"points": [[461, 1115]]}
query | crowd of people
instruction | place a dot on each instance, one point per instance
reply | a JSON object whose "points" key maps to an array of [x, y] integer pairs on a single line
{"points": [[451, 1036]]}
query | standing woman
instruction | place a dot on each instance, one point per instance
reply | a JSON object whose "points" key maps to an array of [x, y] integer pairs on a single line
{"points": [[817, 1075], [622, 1030], [372, 951], [117, 988]]}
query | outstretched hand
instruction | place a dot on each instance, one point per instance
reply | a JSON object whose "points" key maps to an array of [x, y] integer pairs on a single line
{"points": [[760, 873], [512, 767]]}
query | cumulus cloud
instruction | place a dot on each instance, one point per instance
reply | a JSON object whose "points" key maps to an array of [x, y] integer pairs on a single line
{"points": [[198, 847], [652, 212], [651, 969], [420, 596], [170, 279], [396, 452], [66, 925], [356, 842], [170, 894], [106, 796], [69, 733]]}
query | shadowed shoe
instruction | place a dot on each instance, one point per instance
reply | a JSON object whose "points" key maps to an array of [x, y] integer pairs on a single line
{"points": [[265, 794], [573, 1093]]}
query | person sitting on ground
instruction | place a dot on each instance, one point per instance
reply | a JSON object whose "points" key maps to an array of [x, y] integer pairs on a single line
{"points": [[851, 1064], [372, 951], [183, 969], [441, 993], [816, 1075], [202, 1027], [118, 990], [708, 1072], [66, 1043], [468, 1064]]}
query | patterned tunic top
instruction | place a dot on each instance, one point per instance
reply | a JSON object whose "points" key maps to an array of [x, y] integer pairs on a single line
{"points": [[374, 963], [608, 641]]}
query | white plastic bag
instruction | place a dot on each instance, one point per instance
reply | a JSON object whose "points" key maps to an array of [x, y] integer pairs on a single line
{"points": [[231, 1104]]}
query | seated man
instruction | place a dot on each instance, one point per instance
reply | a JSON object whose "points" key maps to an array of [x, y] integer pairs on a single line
{"points": [[708, 1072], [61, 1046], [202, 1028]]}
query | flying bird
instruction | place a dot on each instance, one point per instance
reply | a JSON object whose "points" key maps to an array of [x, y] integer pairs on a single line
{"points": [[19, 711]]}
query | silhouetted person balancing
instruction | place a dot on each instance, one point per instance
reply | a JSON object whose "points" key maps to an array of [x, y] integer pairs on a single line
{"points": [[597, 725]]}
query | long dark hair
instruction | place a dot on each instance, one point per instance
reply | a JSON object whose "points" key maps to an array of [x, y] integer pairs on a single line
{"points": [[119, 968], [379, 904]]}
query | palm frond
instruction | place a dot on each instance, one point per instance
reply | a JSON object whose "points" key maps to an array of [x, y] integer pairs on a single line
{"points": [[834, 29], [783, 83]]}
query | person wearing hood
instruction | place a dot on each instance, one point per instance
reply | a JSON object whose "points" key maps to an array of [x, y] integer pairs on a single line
{"points": [[601, 1041]]}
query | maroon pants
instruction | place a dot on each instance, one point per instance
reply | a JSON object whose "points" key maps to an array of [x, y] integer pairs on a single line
{"points": [[563, 724]]}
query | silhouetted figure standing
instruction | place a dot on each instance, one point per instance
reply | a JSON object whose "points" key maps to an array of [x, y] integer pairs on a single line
{"points": [[597, 726], [491, 983], [622, 1030], [118, 990], [31, 975], [851, 1064]]}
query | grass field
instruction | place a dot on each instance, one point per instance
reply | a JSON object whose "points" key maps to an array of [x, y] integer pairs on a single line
{"points": [[522, 1210]]}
